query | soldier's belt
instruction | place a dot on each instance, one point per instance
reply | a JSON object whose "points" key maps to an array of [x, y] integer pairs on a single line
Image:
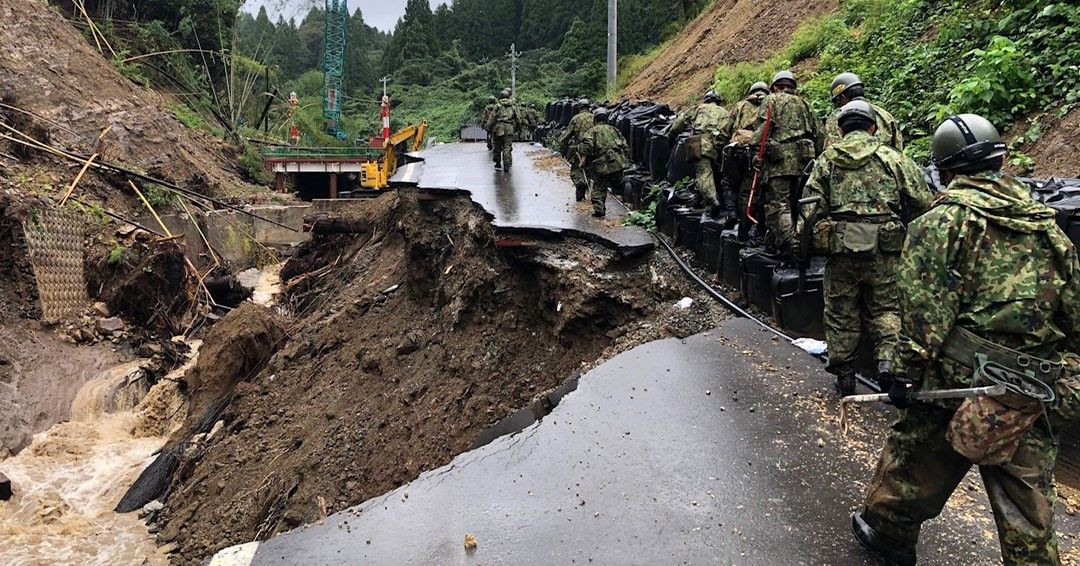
{"points": [[967, 348], [868, 219]]}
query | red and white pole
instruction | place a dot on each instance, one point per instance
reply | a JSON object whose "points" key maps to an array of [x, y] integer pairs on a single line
{"points": [[385, 119]]}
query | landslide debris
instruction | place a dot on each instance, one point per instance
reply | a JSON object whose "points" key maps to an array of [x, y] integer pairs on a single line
{"points": [[414, 332], [728, 31]]}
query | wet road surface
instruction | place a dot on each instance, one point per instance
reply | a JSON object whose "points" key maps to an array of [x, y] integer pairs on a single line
{"points": [[528, 197], [718, 449]]}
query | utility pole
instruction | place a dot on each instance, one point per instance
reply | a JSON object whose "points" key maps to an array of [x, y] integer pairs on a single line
{"points": [[612, 43], [513, 55], [384, 112]]}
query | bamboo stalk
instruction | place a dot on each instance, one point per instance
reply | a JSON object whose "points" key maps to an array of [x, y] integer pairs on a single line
{"points": [[153, 212], [78, 178]]}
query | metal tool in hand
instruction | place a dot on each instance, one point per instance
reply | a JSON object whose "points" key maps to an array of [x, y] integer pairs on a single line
{"points": [[932, 395]]}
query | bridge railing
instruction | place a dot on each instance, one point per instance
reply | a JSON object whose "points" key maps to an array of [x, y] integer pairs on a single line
{"points": [[285, 153]]}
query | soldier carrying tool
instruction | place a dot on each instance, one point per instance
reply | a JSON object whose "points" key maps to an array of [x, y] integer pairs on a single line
{"points": [[604, 155], [579, 125], [504, 123], [705, 121], [867, 193], [788, 137], [989, 290], [737, 131]]}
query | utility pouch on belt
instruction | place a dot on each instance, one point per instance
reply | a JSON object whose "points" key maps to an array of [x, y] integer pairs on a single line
{"points": [[987, 430], [854, 239], [693, 147], [891, 237]]}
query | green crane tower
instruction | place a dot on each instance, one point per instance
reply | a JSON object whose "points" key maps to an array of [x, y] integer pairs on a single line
{"points": [[337, 20]]}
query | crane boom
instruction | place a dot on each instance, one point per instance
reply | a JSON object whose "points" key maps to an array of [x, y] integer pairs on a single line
{"points": [[336, 24]]}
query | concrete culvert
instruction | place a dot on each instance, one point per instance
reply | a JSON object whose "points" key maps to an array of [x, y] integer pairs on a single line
{"points": [[413, 335]]}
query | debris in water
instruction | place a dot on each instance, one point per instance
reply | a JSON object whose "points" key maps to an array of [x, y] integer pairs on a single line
{"points": [[470, 542]]}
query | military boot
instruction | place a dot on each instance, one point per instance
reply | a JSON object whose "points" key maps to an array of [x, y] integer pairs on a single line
{"points": [[845, 380], [889, 551]]}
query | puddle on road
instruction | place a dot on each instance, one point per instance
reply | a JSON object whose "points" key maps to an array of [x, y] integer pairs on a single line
{"points": [[69, 479]]}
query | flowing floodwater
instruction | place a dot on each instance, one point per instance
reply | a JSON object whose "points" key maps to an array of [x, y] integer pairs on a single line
{"points": [[71, 476]]}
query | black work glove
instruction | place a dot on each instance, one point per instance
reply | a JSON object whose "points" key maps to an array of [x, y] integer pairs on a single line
{"points": [[902, 391]]}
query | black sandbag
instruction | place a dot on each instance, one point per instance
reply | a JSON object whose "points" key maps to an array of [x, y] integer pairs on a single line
{"points": [[664, 219], [730, 268], [1062, 195], [710, 248], [686, 198], [152, 482], [757, 271], [639, 135], [687, 232], [659, 152], [800, 312], [679, 167], [549, 111]]}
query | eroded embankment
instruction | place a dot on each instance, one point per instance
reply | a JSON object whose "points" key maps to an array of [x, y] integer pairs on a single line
{"points": [[412, 333]]}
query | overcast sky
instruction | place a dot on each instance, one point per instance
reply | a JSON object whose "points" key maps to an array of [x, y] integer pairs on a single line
{"points": [[382, 14]]}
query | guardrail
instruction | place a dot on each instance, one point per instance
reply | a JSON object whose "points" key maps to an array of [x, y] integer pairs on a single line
{"points": [[320, 153]]}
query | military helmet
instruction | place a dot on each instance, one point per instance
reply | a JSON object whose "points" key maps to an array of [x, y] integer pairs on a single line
{"points": [[581, 103], [759, 86], [711, 96], [856, 109], [505, 93], [965, 140], [842, 83], [600, 114], [491, 98], [784, 76]]}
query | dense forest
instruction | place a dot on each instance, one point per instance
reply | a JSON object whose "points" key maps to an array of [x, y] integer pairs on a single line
{"points": [[441, 63]]}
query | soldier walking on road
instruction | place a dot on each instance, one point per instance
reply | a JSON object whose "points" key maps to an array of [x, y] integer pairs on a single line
{"points": [[504, 123], [794, 139], [605, 155], [848, 87], [989, 290], [705, 122], [579, 125], [488, 111], [738, 132], [868, 192]]}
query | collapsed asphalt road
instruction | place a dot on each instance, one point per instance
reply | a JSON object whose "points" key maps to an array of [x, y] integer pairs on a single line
{"points": [[721, 448]]}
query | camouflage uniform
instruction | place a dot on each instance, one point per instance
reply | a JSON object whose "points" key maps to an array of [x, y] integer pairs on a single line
{"points": [[488, 111], [737, 174], [503, 124], [606, 156], [795, 139], [888, 130], [706, 121], [862, 183], [990, 260], [579, 125]]}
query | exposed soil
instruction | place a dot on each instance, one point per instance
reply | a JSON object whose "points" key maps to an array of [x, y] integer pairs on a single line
{"points": [[49, 69], [18, 289], [729, 31], [1057, 152], [411, 337]]}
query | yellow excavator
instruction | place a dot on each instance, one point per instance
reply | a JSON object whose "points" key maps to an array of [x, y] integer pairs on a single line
{"points": [[376, 174]]}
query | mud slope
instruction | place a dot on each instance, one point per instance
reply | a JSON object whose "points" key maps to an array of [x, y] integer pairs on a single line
{"points": [[47, 68], [413, 333], [729, 31], [1057, 152]]}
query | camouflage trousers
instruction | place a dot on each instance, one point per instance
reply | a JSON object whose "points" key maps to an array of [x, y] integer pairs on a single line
{"points": [[777, 194], [857, 291], [919, 470], [503, 149], [598, 189], [577, 176], [705, 181]]}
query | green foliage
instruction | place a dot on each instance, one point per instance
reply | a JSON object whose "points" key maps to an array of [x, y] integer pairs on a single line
{"points": [[251, 165], [194, 120], [116, 255], [922, 60], [159, 197]]}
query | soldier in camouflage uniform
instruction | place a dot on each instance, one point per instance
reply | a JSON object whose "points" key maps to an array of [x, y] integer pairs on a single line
{"points": [[604, 155], [794, 140], [504, 123], [705, 121], [581, 123], [864, 187], [848, 87], [986, 272], [488, 111], [736, 134]]}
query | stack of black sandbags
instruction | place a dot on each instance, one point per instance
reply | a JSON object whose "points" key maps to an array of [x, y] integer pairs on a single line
{"points": [[798, 293]]}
